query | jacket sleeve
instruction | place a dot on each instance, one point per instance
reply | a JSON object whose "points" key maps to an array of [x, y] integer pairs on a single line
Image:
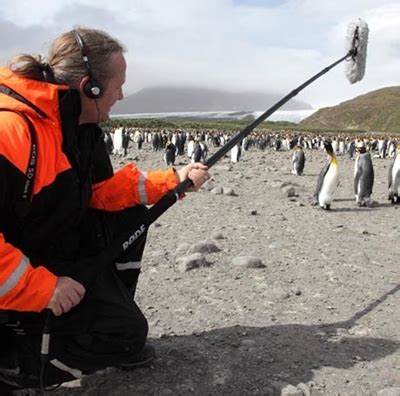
{"points": [[129, 186], [22, 287]]}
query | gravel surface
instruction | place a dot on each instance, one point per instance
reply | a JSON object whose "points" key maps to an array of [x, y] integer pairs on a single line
{"points": [[284, 298]]}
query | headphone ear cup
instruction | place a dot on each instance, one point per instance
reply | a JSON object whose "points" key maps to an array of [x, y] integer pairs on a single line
{"points": [[93, 89]]}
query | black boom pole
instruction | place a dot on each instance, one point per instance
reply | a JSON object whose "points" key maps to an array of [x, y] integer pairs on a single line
{"points": [[164, 203], [169, 199]]}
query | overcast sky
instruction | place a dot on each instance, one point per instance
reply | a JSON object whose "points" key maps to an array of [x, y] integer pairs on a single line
{"points": [[236, 45]]}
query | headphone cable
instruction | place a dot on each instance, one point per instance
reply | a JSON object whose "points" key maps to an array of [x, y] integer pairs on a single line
{"points": [[98, 111]]}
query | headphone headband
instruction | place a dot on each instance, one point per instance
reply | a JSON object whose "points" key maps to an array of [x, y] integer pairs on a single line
{"points": [[93, 88]]}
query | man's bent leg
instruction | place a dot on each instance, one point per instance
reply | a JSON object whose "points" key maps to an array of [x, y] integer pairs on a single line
{"points": [[107, 328], [116, 328], [114, 334]]}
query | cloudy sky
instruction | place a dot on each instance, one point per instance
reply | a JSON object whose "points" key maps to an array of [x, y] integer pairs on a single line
{"points": [[235, 45]]}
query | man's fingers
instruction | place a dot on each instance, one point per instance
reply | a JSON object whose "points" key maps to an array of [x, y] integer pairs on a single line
{"points": [[80, 290], [66, 305], [200, 165], [57, 309], [75, 298]]}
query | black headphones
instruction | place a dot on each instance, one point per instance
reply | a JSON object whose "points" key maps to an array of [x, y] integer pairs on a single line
{"points": [[93, 88]]}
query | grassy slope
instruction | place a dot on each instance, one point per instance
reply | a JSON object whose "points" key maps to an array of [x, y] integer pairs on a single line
{"points": [[376, 111]]}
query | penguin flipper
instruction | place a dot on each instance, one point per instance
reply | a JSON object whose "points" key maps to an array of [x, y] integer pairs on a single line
{"points": [[320, 179], [372, 178], [357, 177], [390, 173]]}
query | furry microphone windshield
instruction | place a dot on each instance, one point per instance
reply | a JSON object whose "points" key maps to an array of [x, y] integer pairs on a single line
{"points": [[356, 44]]}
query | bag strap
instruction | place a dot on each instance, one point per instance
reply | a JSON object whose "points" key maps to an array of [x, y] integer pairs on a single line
{"points": [[23, 204]]}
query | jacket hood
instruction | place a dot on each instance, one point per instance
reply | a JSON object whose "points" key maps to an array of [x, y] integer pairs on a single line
{"points": [[42, 98]]}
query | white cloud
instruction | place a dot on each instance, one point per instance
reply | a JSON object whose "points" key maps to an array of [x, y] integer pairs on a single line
{"points": [[222, 44]]}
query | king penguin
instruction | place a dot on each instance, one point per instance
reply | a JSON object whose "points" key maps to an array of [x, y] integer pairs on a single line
{"points": [[169, 156], [236, 152], [394, 177], [363, 176], [327, 179], [298, 161], [117, 141]]}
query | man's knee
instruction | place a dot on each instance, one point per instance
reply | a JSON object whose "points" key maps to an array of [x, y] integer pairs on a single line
{"points": [[129, 337]]}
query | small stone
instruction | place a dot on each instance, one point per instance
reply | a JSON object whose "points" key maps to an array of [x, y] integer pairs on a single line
{"points": [[208, 185], [193, 261], [228, 191], [217, 191], [203, 247], [290, 390], [304, 389], [280, 294], [291, 192], [248, 261], [217, 235]]}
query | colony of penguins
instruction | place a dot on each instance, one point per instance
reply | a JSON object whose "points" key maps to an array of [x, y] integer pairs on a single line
{"points": [[194, 145]]}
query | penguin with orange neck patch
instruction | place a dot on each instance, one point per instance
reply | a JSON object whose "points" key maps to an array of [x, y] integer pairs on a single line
{"points": [[394, 177], [327, 179]]}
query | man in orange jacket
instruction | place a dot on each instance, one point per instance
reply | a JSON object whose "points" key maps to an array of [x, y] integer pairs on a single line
{"points": [[62, 207]]}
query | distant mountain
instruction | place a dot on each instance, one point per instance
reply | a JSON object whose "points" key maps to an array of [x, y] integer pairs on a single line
{"points": [[182, 99], [375, 111]]}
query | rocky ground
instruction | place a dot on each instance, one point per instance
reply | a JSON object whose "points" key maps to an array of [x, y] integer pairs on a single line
{"points": [[284, 297]]}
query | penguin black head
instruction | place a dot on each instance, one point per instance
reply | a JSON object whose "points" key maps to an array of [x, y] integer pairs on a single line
{"points": [[362, 150], [328, 147], [360, 147]]}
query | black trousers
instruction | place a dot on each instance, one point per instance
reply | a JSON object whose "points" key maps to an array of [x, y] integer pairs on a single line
{"points": [[107, 326]]}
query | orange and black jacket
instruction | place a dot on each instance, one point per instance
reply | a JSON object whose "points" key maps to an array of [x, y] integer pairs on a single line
{"points": [[73, 174]]}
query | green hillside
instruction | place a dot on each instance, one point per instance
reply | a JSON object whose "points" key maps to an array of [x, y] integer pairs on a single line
{"points": [[376, 111]]}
